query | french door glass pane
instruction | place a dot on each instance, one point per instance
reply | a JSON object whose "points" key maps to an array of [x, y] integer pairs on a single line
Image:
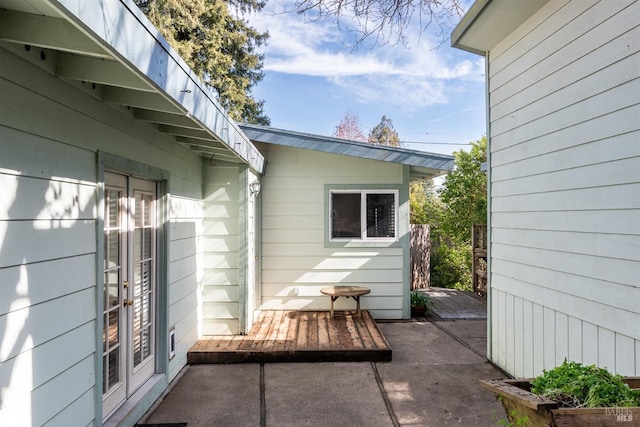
{"points": [[380, 215], [143, 247], [146, 242], [146, 343], [112, 247], [345, 215], [113, 217], [141, 328], [114, 330], [112, 288], [114, 368]]}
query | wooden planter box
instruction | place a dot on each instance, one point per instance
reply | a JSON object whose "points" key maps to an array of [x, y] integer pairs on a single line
{"points": [[519, 402]]}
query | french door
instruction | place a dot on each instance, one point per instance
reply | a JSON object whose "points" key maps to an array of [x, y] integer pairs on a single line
{"points": [[129, 309]]}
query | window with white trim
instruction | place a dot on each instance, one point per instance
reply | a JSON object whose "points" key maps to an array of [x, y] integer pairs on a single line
{"points": [[363, 215]]}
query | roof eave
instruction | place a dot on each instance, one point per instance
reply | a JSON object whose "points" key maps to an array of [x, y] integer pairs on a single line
{"points": [[487, 22], [123, 31], [422, 164]]}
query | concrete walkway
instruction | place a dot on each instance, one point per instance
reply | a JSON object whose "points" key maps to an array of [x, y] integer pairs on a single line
{"points": [[432, 381]]}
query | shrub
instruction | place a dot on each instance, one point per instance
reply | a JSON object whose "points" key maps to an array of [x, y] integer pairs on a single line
{"points": [[451, 267], [575, 385], [419, 299]]}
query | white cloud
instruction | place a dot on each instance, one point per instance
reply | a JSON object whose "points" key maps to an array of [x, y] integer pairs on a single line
{"points": [[412, 77]]}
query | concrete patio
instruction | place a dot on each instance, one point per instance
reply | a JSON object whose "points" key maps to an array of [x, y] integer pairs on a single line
{"points": [[432, 381]]}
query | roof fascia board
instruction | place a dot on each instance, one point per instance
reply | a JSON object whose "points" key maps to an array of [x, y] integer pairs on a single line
{"points": [[439, 163], [465, 23], [123, 30], [487, 22]]}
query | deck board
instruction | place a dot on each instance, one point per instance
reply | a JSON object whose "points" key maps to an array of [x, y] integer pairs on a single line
{"points": [[298, 336]]}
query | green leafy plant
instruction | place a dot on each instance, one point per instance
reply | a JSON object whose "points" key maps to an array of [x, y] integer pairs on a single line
{"points": [[514, 416], [575, 385], [418, 299]]}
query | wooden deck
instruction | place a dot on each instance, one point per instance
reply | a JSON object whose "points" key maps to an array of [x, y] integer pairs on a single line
{"points": [[452, 304], [298, 336]]}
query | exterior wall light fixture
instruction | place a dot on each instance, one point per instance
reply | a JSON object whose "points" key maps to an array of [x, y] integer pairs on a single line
{"points": [[254, 188]]}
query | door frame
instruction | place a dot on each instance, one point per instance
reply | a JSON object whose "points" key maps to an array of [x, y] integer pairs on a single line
{"points": [[159, 381]]}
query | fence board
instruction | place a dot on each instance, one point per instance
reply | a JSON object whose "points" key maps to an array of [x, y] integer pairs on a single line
{"points": [[479, 268], [420, 256]]}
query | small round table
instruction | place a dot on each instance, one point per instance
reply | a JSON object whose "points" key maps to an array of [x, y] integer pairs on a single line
{"points": [[354, 292]]}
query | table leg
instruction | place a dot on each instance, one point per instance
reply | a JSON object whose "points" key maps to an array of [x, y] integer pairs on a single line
{"points": [[333, 298], [357, 298]]}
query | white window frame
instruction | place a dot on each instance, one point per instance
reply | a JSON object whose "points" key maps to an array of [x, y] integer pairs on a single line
{"points": [[363, 215]]}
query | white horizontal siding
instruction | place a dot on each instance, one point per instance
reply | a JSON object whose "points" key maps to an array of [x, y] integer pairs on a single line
{"points": [[186, 270], [47, 264], [220, 291], [50, 133], [565, 189], [572, 32], [295, 262]]}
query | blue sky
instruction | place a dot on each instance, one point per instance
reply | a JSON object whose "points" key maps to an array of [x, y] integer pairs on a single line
{"points": [[313, 77]]}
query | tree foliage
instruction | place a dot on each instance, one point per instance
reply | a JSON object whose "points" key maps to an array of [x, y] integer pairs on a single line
{"points": [[384, 20], [220, 47], [465, 192], [450, 212], [349, 128], [384, 133]]}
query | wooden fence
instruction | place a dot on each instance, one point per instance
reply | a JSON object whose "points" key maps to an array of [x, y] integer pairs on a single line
{"points": [[479, 269], [420, 256]]}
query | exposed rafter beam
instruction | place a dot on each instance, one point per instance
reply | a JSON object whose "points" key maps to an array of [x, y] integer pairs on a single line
{"points": [[187, 133], [165, 119], [101, 71], [205, 152], [137, 99], [213, 145], [218, 153], [46, 32]]}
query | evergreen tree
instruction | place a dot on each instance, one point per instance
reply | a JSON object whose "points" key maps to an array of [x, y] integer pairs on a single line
{"points": [[220, 47], [384, 133]]}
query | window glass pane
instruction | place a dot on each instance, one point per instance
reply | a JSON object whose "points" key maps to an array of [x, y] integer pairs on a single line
{"points": [[345, 215], [380, 215], [146, 216], [114, 333], [105, 379], [111, 248], [137, 245], [113, 368], [112, 288], [146, 243], [146, 276], [138, 209], [105, 332], [146, 343], [113, 198]]}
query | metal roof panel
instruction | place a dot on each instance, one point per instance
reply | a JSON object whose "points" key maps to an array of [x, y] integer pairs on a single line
{"points": [[422, 163]]}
